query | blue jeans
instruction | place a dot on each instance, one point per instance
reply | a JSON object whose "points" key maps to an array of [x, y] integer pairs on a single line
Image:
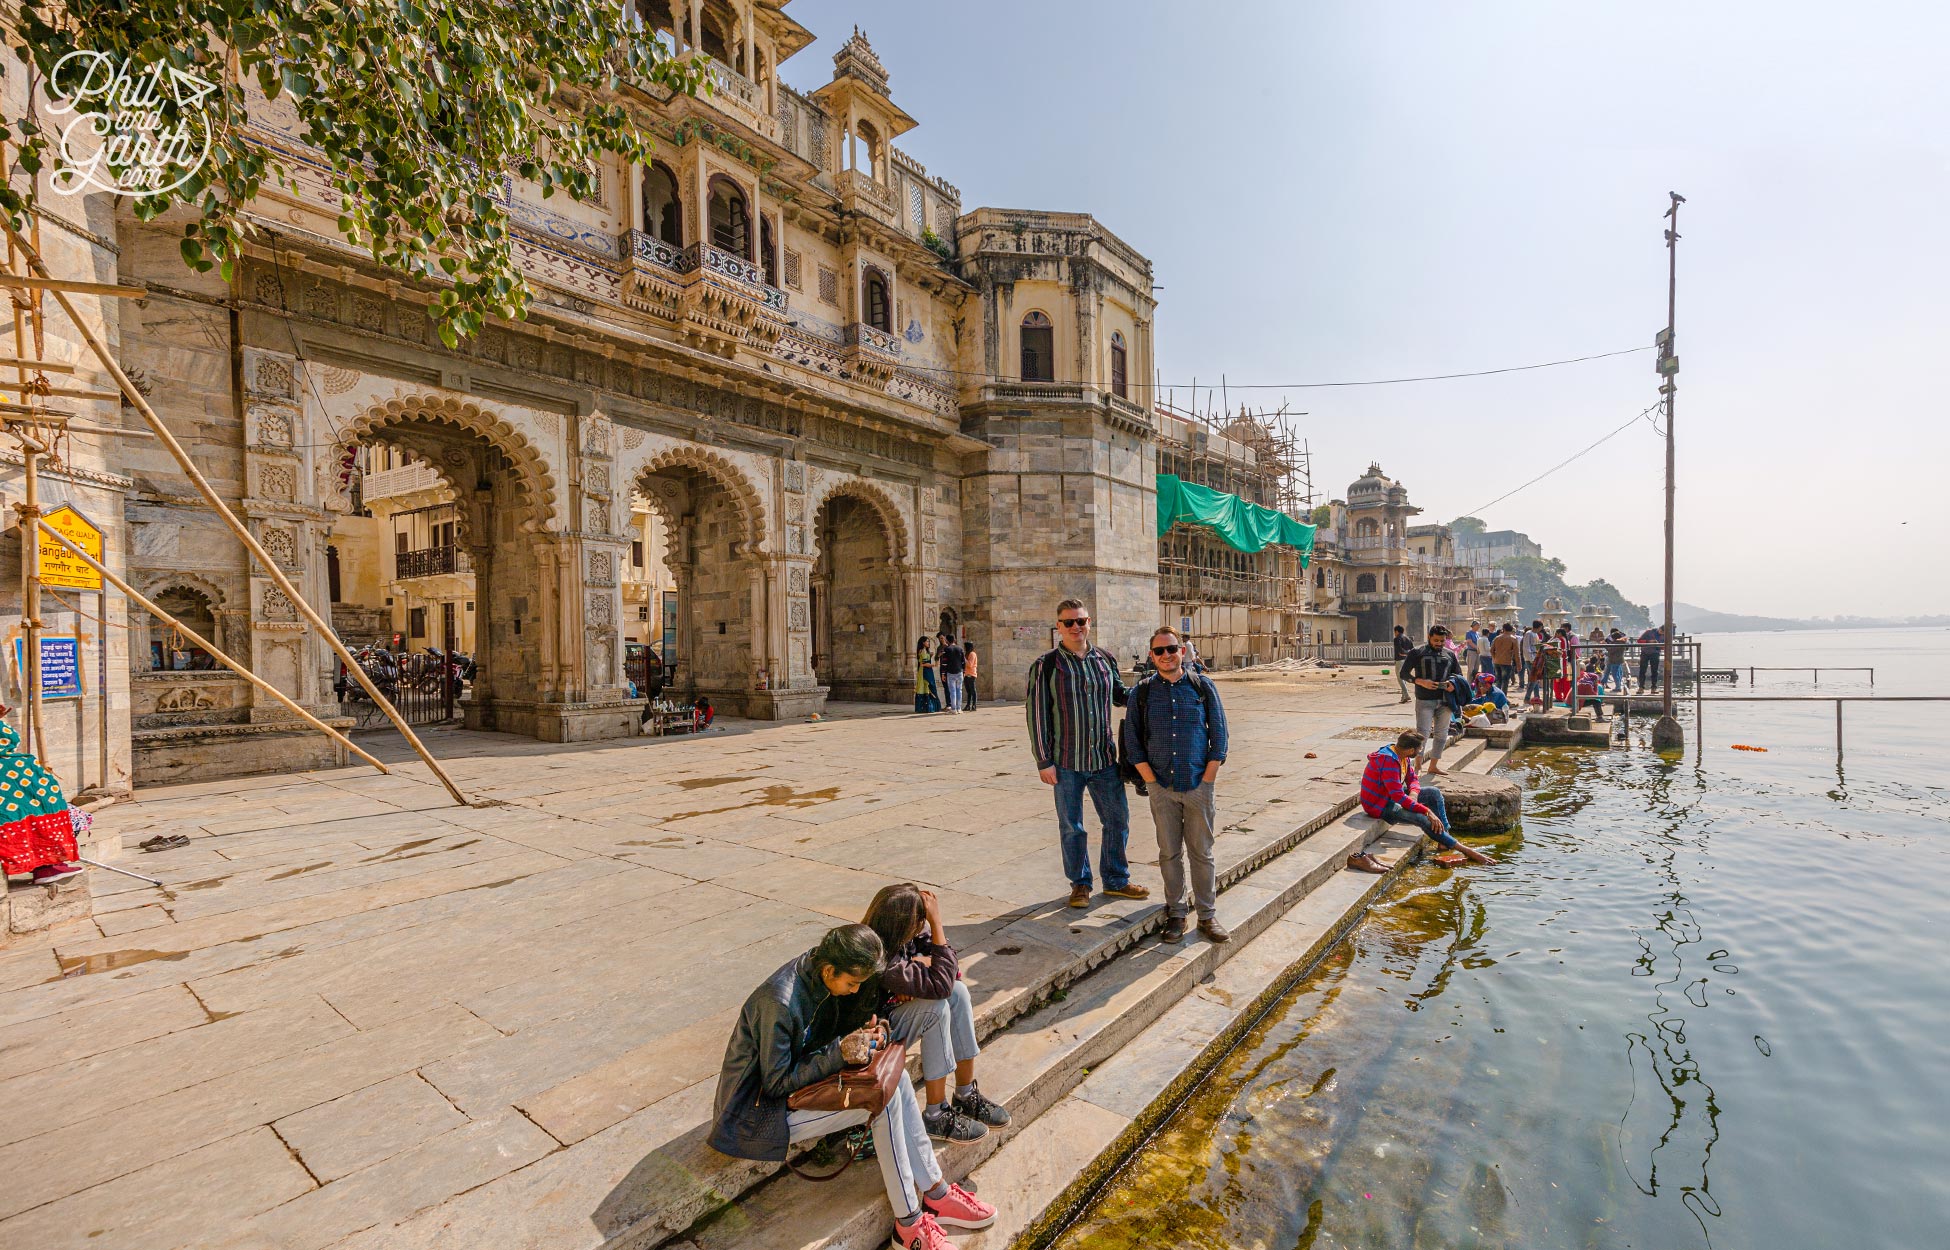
{"points": [[1107, 796], [1616, 673], [951, 688], [1396, 814]]}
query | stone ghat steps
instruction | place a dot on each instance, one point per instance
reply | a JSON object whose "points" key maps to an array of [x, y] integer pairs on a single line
{"points": [[1562, 727], [1038, 1061]]}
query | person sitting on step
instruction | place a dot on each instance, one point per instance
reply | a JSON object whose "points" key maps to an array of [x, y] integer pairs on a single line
{"points": [[1391, 791], [802, 1025], [925, 1000]]}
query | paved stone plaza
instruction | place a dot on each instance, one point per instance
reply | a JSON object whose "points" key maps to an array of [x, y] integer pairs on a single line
{"points": [[357, 1013]]}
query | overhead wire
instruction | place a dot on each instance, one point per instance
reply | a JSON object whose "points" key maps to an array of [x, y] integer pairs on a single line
{"points": [[1635, 419]]}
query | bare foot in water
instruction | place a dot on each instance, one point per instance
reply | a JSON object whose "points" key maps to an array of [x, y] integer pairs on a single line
{"points": [[1364, 862]]}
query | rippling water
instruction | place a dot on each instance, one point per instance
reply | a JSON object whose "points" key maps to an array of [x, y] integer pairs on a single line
{"points": [[1698, 1003]]}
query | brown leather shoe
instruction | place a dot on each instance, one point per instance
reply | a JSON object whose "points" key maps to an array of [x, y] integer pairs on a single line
{"points": [[1079, 896], [1130, 889], [1174, 930], [1214, 931]]}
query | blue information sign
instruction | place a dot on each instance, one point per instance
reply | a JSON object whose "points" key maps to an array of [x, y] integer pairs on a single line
{"points": [[60, 665]]}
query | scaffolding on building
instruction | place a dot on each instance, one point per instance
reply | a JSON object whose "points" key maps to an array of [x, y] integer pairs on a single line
{"points": [[1239, 608]]}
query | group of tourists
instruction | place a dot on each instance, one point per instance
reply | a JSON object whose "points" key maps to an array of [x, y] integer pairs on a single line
{"points": [[944, 674], [1556, 668]]}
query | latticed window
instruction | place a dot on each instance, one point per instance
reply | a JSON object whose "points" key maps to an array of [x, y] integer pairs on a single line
{"points": [[792, 270], [1038, 348], [917, 206], [880, 313], [731, 221], [1117, 365], [829, 285]]}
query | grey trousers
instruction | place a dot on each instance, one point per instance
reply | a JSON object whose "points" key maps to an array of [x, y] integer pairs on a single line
{"points": [[944, 1027], [1187, 821], [1432, 722]]}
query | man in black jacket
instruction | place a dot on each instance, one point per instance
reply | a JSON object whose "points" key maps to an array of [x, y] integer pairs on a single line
{"points": [[1403, 645], [804, 1024], [1430, 669]]}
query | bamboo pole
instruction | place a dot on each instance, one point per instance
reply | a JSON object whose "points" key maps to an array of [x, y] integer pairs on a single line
{"points": [[141, 404], [45, 283], [209, 646]]}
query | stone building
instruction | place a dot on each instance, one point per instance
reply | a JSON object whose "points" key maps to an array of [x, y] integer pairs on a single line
{"points": [[1398, 573], [858, 412]]}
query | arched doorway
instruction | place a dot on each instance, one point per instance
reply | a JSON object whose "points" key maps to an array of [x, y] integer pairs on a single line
{"points": [[713, 643], [858, 652], [458, 505]]}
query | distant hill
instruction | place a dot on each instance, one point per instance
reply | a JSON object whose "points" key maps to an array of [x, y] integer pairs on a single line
{"points": [[1693, 619]]}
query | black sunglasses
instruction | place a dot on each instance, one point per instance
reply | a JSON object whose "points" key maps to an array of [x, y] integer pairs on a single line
{"points": [[1075, 622], [1171, 649]]}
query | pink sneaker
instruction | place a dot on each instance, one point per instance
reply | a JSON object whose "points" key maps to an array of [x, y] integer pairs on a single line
{"points": [[923, 1234], [959, 1209], [48, 874]]}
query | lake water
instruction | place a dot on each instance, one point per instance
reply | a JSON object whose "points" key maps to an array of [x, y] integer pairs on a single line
{"points": [[1702, 1002]]}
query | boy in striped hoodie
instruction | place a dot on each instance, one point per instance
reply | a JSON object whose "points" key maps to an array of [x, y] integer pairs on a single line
{"points": [[1391, 791]]}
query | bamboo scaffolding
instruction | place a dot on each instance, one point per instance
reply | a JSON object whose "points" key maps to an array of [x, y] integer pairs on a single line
{"points": [[133, 397], [198, 639]]}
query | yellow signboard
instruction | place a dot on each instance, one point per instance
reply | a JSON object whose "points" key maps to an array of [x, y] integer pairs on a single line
{"points": [[61, 567]]}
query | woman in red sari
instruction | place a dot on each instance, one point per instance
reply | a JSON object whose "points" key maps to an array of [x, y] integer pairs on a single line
{"points": [[36, 827]]}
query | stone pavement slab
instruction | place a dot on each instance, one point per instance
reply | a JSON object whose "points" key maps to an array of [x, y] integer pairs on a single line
{"points": [[559, 970]]}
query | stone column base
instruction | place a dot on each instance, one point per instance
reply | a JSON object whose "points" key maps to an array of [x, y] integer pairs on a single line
{"points": [[31, 910], [779, 705], [562, 722]]}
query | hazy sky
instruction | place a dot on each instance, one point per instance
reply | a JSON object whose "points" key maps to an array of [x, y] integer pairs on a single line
{"points": [[1333, 191]]}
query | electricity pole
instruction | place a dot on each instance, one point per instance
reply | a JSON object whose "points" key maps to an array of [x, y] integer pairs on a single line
{"points": [[1666, 733]]}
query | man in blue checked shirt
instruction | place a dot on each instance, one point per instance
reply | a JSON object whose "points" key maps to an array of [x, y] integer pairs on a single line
{"points": [[1178, 741]]}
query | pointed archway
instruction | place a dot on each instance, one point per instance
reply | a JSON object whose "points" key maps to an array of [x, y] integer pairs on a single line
{"points": [[502, 498], [857, 595], [714, 525]]}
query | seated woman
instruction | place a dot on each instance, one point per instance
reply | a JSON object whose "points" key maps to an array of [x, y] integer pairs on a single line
{"points": [[1487, 692], [805, 1023], [37, 831], [702, 714], [924, 998]]}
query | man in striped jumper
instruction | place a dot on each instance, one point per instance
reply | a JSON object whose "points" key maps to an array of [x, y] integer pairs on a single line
{"points": [[1072, 688]]}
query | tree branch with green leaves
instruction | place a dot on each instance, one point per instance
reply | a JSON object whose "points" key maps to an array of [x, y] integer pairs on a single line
{"points": [[421, 113]]}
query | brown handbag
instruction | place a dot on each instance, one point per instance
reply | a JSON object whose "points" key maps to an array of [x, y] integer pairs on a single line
{"points": [[869, 1086]]}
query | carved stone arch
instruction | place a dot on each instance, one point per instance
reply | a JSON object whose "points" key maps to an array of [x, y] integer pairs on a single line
{"points": [[735, 481], [162, 583], [874, 496], [533, 480]]}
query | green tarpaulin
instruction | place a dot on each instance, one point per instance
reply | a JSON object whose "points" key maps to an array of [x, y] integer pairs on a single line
{"points": [[1244, 526]]}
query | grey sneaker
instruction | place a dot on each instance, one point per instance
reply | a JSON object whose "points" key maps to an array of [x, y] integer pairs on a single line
{"points": [[980, 1109], [950, 1125]]}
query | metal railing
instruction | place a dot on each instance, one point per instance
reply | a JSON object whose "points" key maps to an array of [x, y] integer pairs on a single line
{"points": [[1833, 668], [429, 561], [1700, 701]]}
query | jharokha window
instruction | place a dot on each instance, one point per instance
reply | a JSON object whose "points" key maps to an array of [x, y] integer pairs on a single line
{"points": [[1118, 363], [1038, 348], [731, 218], [880, 312], [663, 209]]}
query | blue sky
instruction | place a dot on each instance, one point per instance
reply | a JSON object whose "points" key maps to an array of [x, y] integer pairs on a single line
{"points": [[1343, 191]]}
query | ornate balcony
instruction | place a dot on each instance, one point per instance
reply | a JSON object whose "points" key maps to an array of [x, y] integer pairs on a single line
{"points": [[740, 98], [862, 194], [870, 353], [720, 300]]}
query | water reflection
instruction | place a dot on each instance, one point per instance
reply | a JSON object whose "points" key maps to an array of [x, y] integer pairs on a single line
{"points": [[1551, 1051]]}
